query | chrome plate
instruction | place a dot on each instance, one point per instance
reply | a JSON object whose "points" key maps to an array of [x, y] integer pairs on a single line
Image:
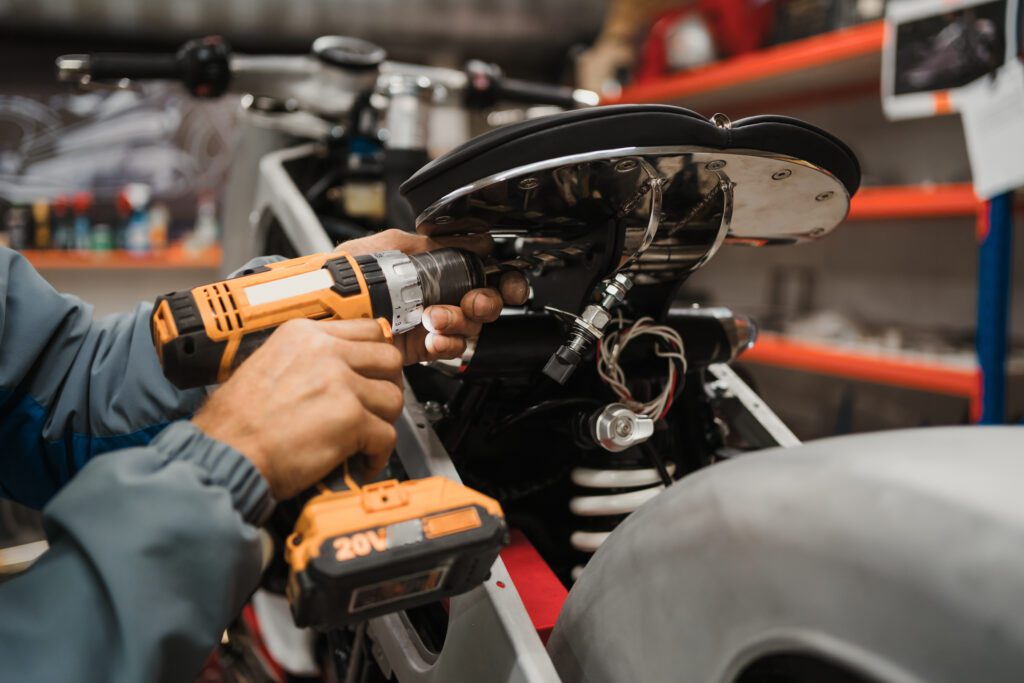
{"points": [[774, 200]]}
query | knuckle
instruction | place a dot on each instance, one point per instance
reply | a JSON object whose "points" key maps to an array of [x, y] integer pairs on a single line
{"points": [[349, 405], [392, 357], [395, 399], [389, 437]]}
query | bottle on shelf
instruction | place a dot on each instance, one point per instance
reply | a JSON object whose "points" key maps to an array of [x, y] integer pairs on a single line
{"points": [[16, 225], [206, 231], [102, 237], [43, 233], [123, 209], [81, 202], [159, 218], [137, 237], [63, 224]]}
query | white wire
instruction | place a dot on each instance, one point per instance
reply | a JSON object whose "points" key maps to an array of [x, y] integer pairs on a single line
{"points": [[614, 343]]}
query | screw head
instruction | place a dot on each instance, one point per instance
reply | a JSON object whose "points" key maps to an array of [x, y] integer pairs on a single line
{"points": [[817, 232], [782, 175], [441, 220], [528, 183], [715, 165], [626, 165], [825, 196], [623, 427], [721, 120]]}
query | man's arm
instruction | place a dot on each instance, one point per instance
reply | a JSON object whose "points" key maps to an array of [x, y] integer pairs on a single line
{"points": [[72, 388], [153, 551]]}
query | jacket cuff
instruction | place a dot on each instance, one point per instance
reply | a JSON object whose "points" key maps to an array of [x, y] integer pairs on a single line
{"points": [[224, 466]]}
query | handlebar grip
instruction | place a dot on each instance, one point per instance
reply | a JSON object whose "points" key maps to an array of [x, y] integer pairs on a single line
{"points": [[487, 85], [113, 67], [526, 92], [203, 66]]}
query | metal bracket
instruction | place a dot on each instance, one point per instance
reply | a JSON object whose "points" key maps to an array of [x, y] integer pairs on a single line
{"points": [[748, 413]]}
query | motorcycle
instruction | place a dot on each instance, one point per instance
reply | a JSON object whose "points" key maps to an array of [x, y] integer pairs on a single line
{"points": [[605, 414]]}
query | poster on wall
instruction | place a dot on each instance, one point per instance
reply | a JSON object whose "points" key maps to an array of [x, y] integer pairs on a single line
{"points": [[935, 50], [961, 56]]}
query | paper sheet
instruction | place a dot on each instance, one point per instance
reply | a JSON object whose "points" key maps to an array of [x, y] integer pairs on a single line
{"points": [[993, 117]]}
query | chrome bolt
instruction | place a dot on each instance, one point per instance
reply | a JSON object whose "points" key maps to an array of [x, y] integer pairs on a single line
{"points": [[433, 411], [623, 427], [715, 165], [721, 121], [825, 196], [528, 183], [782, 175], [626, 165]]}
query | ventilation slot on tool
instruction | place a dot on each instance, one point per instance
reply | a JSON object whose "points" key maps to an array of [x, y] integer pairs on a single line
{"points": [[223, 308]]}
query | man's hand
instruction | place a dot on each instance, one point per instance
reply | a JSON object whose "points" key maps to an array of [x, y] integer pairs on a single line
{"points": [[445, 328], [313, 395]]}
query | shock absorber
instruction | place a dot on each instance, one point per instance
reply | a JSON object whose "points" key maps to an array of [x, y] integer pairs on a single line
{"points": [[614, 479]]}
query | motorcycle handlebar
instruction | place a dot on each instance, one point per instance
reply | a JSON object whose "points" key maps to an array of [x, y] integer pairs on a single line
{"points": [[206, 67], [202, 65], [487, 85], [113, 66], [527, 92]]}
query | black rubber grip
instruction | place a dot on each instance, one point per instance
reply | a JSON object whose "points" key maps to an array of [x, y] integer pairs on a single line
{"points": [[190, 359], [114, 67], [527, 92]]}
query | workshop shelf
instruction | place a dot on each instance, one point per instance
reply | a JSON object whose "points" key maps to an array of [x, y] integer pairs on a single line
{"points": [[917, 201], [120, 259], [904, 369], [820, 68], [895, 368]]}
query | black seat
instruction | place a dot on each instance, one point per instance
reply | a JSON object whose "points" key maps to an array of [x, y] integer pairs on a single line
{"points": [[619, 126]]}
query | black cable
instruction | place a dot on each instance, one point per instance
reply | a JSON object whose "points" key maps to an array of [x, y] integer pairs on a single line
{"points": [[542, 407], [658, 463]]}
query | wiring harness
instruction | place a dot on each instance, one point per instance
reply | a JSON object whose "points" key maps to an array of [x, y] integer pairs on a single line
{"points": [[670, 347]]}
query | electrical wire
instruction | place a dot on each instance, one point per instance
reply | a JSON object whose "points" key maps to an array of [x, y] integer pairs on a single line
{"points": [[542, 407], [609, 352]]}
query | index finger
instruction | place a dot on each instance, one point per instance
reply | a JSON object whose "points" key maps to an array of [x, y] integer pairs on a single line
{"points": [[360, 329]]}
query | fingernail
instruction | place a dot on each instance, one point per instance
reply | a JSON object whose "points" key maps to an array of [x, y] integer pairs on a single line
{"points": [[482, 305], [436, 343], [515, 289], [440, 318]]}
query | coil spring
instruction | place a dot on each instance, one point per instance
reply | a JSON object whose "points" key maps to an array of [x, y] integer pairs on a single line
{"points": [[607, 492]]}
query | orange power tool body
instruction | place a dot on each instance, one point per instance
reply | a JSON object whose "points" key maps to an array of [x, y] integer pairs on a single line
{"points": [[357, 551]]}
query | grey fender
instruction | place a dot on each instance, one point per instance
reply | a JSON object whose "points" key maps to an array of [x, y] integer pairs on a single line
{"points": [[899, 555]]}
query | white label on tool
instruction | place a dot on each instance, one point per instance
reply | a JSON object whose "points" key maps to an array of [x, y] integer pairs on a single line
{"points": [[296, 285]]}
